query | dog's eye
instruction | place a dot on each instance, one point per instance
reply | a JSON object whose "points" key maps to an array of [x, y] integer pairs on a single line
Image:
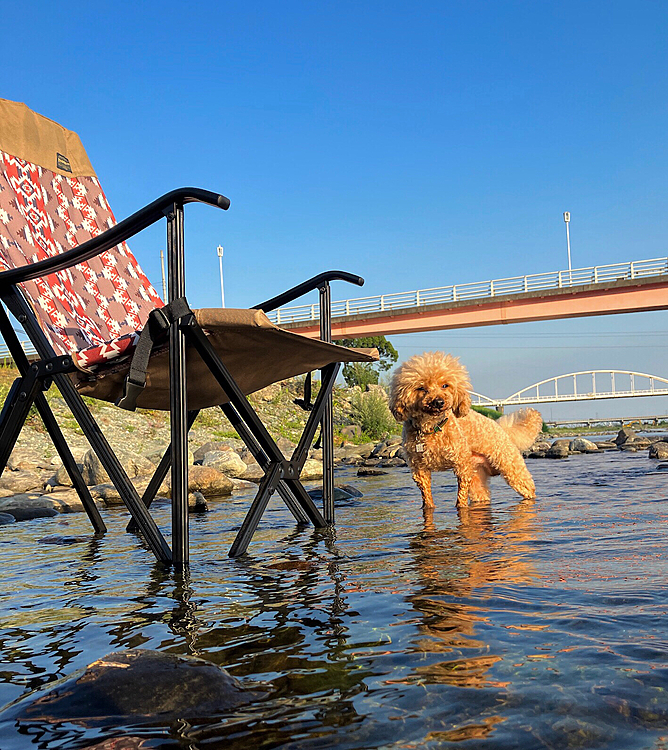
{"points": [[445, 385]]}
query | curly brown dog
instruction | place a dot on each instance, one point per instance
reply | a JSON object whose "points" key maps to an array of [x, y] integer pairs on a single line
{"points": [[430, 395]]}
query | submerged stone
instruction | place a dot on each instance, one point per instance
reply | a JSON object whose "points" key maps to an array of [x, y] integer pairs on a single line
{"points": [[136, 683]]}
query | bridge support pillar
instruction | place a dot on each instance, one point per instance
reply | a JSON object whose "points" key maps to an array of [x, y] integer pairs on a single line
{"points": [[499, 408]]}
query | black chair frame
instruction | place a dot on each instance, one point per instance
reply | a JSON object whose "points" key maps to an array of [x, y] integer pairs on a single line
{"points": [[280, 474]]}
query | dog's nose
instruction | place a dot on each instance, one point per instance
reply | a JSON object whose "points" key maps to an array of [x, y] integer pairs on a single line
{"points": [[438, 403]]}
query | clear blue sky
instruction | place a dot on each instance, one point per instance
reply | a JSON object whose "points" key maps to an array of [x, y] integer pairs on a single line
{"points": [[418, 145]]}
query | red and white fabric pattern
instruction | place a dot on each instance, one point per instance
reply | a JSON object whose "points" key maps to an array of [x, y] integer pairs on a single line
{"points": [[94, 310]]}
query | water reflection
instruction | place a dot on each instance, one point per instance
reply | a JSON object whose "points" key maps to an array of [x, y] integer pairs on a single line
{"points": [[403, 631], [452, 566]]}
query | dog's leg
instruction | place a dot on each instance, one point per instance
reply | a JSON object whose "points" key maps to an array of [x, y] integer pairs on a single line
{"points": [[480, 486], [422, 478], [464, 473]]}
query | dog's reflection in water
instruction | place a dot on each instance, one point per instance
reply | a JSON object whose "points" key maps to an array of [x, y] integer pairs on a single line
{"points": [[485, 551]]}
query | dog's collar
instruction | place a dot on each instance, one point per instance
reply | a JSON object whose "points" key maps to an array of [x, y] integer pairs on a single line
{"points": [[437, 428]]}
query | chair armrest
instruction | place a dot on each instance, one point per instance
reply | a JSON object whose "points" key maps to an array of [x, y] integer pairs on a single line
{"points": [[307, 286], [113, 236]]}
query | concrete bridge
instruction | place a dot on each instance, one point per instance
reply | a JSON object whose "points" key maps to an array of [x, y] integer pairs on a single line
{"points": [[635, 286]]}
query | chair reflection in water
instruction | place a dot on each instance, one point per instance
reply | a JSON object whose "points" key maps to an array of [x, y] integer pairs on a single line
{"points": [[100, 329]]}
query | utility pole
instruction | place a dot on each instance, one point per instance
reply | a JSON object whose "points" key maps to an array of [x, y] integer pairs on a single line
{"points": [[222, 288], [567, 220], [164, 285]]}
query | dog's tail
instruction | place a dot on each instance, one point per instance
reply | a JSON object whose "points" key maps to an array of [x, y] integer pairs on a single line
{"points": [[522, 427]]}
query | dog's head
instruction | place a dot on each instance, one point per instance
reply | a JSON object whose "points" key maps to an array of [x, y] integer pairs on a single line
{"points": [[429, 385]]}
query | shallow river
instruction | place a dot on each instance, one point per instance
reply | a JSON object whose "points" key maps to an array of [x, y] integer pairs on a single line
{"points": [[522, 626]]}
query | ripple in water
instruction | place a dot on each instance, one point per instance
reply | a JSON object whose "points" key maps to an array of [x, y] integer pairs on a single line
{"points": [[522, 625]]}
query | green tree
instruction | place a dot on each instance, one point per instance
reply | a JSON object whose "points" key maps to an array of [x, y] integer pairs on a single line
{"points": [[363, 374]]}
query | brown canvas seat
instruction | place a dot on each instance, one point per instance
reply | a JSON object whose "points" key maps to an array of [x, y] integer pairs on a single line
{"points": [[101, 329], [255, 351]]}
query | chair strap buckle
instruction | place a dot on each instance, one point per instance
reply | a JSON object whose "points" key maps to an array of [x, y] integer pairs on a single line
{"points": [[131, 393]]}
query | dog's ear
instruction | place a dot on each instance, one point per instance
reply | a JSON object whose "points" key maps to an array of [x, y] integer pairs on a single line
{"points": [[462, 404], [398, 408]]}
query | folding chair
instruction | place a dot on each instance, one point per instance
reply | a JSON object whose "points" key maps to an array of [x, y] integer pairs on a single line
{"points": [[100, 329]]}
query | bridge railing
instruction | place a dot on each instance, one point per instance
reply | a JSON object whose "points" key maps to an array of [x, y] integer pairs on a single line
{"points": [[6, 357], [478, 290]]}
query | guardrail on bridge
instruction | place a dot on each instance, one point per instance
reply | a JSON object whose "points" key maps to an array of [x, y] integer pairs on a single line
{"points": [[634, 269]]}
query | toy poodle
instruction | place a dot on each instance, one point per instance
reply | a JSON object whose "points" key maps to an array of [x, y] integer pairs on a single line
{"points": [[430, 395]]}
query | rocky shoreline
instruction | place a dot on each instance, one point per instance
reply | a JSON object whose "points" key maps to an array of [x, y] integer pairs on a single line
{"points": [[35, 484]]}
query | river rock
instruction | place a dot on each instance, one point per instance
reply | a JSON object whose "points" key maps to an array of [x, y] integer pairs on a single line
{"points": [[21, 459], [253, 473], [134, 465], [225, 460], [628, 447], [366, 471], [605, 445], [311, 470], [341, 492], [199, 454], [110, 495], [20, 481], [391, 462], [582, 445], [139, 683], [558, 450], [207, 480], [27, 506], [624, 435], [7, 518], [658, 450], [61, 478], [357, 452], [155, 456]]}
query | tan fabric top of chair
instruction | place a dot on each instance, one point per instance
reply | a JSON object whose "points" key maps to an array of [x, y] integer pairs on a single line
{"points": [[254, 350], [34, 138]]}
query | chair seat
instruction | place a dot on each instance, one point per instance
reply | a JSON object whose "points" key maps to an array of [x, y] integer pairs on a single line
{"points": [[254, 350]]}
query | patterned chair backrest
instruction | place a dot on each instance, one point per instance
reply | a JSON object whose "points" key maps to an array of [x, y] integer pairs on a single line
{"points": [[51, 201]]}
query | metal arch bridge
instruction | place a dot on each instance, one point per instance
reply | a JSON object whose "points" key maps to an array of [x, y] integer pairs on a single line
{"points": [[587, 385]]}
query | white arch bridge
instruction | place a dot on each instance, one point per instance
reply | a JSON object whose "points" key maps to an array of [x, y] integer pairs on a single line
{"points": [[581, 386]]}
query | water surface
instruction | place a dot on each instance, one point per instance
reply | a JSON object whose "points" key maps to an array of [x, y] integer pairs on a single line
{"points": [[524, 625]]}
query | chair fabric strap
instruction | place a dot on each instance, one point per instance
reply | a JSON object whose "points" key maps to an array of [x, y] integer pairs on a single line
{"points": [[159, 321]]}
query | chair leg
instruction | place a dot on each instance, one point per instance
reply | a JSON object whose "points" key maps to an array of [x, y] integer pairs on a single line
{"points": [[69, 463], [15, 412], [261, 457], [112, 465], [259, 505]]}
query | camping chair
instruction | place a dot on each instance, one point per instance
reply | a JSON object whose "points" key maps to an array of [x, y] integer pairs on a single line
{"points": [[100, 329]]}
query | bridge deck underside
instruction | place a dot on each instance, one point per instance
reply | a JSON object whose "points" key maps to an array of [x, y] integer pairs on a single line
{"points": [[622, 296]]}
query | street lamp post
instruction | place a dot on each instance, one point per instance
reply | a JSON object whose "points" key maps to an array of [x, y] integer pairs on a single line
{"points": [[222, 288], [567, 220], [162, 267]]}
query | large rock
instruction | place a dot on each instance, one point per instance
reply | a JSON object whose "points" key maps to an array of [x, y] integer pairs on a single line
{"points": [[199, 454], [27, 506], [311, 470], [658, 450], [558, 450], [227, 461], [110, 495], [137, 683], [134, 465], [625, 435], [20, 481], [207, 480], [582, 445]]}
